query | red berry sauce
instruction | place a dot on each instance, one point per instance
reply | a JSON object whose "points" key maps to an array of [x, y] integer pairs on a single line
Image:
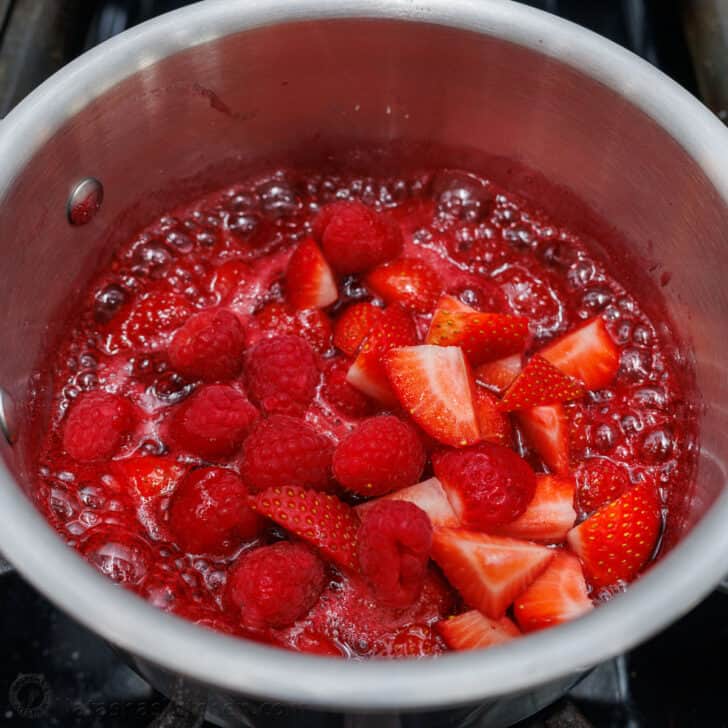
{"points": [[487, 247]]}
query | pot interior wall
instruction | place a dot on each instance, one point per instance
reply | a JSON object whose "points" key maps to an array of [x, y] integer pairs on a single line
{"points": [[311, 92]]}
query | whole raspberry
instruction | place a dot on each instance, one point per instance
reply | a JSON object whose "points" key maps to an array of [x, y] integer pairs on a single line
{"points": [[276, 585], [96, 425], [286, 451], [213, 422], [381, 455], [340, 394], [395, 538], [209, 512], [355, 238], [282, 375], [487, 485], [209, 346]]}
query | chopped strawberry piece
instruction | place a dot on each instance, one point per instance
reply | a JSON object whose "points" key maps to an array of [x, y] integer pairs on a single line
{"points": [[557, 596], [354, 325], [550, 514], [600, 482], [488, 571], [382, 454], [394, 543], [472, 630], [428, 495], [312, 324], [315, 643], [152, 318], [148, 475], [319, 518], [538, 384], [395, 328], [499, 374], [355, 238], [408, 281], [451, 304], [615, 542], [487, 485], [433, 384], [482, 336], [309, 280], [339, 393], [229, 279], [493, 424], [546, 430], [589, 354], [209, 346]]}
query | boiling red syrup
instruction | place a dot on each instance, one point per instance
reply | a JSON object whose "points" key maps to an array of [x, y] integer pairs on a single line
{"points": [[491, 250]]}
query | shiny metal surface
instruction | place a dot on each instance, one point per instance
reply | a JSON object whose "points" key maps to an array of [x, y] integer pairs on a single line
{"points": [[84, 201], [200, 94], [8, 423]]}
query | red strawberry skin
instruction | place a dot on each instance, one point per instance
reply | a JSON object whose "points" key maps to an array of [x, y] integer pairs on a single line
{"points": [[487, 485], [148, 475], [277, 318], [381, 455], [558, 595], [498, 375], [540, 383], [394, 543], [473, 630], [319, 518], [588, 354], [354, 325], [615, 542], [550, 514], [433, 384], [396, 328], [355, 238], [153, 318], [309, 280], [493, 424], [209, 346], [408, 281], [482, 336]]}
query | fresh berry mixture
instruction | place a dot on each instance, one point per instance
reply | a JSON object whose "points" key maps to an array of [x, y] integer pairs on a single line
{"points": [[364, 417]]}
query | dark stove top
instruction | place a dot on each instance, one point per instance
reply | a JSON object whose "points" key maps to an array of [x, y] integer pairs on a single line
{"points": [[54, 672]]}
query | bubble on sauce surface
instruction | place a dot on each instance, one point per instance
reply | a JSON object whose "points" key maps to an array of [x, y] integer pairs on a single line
{"points": [[635, 365], [656, 446], [180, 241], [121, 556], [108, 301], [278, 199]]}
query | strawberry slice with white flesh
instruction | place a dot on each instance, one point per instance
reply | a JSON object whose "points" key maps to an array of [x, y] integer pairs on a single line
{"points": [[309, 280], [428, 495], [488, 571], [557, 596], [499, 374], [473, 630], [616, 541], [433, 384], [546, 430], [482, 336], [588, 354], [395, 328], [550, 514]]}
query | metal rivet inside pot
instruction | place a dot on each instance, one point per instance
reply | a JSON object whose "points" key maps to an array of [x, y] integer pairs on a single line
{"points": [[7, 417], [85, 201]]}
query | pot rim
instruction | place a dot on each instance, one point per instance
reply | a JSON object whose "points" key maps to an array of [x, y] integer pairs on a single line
{"points": [[676, 584]]}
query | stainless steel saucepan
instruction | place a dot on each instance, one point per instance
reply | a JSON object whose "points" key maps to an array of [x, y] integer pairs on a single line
{"points": [[193, 98]]}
